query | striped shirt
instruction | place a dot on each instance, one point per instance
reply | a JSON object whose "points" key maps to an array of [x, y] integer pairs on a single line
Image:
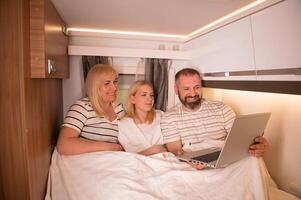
{"points": [[82, 117], [204, 128]]}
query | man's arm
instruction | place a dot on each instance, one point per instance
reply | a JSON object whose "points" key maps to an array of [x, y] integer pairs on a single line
{"points": [[171, 133], [259, 147], [176, 148]]}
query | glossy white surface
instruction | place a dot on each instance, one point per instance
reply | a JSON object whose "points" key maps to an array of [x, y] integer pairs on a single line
{"points": [[277, 36]]}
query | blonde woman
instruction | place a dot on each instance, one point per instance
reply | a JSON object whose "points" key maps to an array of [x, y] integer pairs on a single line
{"points": [[91, 123], [139, 130]]}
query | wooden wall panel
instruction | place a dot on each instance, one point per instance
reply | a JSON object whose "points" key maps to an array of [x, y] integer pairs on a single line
{"points": [[31, 110], [14, 179], [44, 111], [37, 39], [43, 118]]}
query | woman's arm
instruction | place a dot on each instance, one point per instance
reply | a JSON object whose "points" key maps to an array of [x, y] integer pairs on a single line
{"points": [[69, 143], [153, 150]]}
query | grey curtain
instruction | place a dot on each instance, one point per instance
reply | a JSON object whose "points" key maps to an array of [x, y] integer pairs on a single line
{"points": [[156, 72], [90, 61]]}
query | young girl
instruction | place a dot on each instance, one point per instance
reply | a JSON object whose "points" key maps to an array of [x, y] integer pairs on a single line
{"points": [[139, 130]]}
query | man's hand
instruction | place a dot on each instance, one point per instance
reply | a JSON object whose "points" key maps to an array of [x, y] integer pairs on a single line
{"points": [[259, 147], [197, 166], [194, 165]]}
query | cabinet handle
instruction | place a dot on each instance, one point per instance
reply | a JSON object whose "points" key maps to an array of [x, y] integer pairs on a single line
{"points": [[51, 66]]}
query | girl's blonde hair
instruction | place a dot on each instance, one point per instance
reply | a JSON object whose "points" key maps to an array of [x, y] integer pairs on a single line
{"points": [[130, 107], [93, 80]]}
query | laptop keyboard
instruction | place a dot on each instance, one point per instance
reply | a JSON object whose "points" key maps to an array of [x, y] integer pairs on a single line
{"points": [[208, 157]]}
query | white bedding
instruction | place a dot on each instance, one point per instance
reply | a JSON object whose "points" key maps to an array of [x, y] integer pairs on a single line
{"points": [[122, 176]]}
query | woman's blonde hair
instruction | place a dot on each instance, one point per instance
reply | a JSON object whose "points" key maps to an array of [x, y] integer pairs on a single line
{"points": [[93, 80], [130, 107]]}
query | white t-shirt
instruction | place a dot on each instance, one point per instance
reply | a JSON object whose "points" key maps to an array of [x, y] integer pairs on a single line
{"points": [[138, 137]]}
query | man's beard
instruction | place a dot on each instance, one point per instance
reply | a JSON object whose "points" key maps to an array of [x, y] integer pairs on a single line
{"points": [[192, 105]]}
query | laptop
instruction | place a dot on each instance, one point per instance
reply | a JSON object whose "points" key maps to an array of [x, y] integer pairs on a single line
{"points": [[243, 131]]}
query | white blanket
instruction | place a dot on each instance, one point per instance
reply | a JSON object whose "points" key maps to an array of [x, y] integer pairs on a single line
{"points": [[122, 176]]}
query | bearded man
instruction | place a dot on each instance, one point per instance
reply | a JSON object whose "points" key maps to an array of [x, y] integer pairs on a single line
{"points": [[196, 123]]}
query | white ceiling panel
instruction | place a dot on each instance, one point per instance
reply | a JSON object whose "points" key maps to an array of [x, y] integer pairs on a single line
{"points": [[179, 17]]}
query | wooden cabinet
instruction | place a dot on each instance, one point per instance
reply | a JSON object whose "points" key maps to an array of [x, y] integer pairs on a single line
{"points": [[277, 38], [226, 49], [48, 43], [31, 110]]}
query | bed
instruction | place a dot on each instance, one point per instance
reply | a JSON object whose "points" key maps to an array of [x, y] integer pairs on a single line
{"points": [[122, 175]]}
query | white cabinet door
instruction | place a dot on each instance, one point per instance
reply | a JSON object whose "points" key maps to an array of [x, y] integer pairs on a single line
{"points": [[226, 49], [277, 38]]}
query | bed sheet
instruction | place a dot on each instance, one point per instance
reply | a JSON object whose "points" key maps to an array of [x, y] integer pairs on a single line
{"points": [[122, 175]]}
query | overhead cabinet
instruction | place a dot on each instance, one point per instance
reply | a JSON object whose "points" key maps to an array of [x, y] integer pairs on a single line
{"points": [[226, 49], [48, 43], [277, 40], [263, 46]]}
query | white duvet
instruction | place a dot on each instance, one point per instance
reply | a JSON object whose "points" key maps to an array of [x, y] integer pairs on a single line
{"points": [[122, 176]]}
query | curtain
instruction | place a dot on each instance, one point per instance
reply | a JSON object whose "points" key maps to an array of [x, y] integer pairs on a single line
{"points": [[90, 61], [156, 72]]}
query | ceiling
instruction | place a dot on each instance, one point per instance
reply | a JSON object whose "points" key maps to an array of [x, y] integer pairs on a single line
{"points": [[177, 17]]}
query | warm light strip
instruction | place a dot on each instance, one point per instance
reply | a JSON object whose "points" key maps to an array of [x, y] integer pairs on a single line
{"points": [[126, 33], [249, 6], [208, 26]]}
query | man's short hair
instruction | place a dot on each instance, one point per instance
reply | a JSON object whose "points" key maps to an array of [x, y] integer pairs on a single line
{"points": [[187, 72]]}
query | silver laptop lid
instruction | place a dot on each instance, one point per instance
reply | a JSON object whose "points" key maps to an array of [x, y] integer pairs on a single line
{"points": [[244, 129]]}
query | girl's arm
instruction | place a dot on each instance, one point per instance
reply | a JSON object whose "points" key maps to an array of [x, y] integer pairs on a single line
{"points": [[175, 147], [153, 150], [69, 143]]}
